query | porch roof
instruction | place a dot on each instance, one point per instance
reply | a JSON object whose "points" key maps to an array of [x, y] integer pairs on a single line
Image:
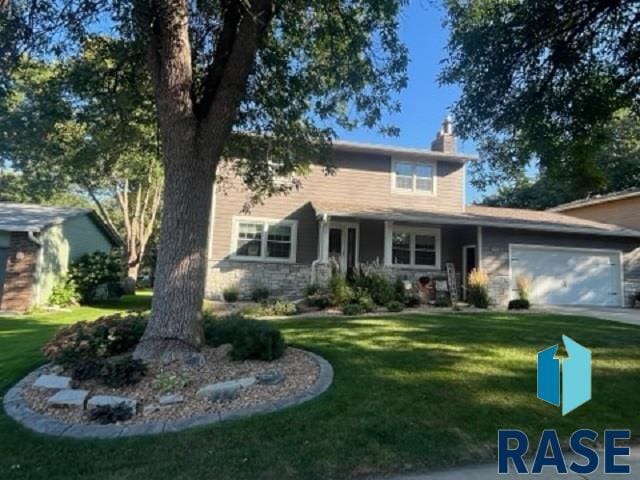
{"points": [[480, 216]]}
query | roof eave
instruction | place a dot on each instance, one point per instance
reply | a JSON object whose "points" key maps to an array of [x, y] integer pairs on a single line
{"points": [[486, 223], [347, 146], [592, 201]]}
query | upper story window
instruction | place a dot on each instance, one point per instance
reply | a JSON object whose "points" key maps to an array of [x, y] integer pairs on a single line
{"points": [[264, 239], [415, 247], [413, 176], [277, 167]]}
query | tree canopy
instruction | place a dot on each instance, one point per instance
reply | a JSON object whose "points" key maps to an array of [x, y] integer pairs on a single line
{"points": [[541, 82], [283, 71], [618, 160]]}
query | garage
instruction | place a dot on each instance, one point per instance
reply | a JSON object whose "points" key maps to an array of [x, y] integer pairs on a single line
{"points": [[568, 276]]}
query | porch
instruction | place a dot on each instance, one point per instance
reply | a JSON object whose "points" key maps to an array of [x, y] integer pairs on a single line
{"points": [[407, 249]]}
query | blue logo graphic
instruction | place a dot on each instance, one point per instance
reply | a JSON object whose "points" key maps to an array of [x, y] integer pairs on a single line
{"points": [[576, 376]]}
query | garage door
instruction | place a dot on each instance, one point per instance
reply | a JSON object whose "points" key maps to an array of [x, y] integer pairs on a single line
{"points": [[563, 276]]}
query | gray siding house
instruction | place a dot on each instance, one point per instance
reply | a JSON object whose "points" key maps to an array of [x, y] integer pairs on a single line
{"points": [[37, 243], [405, 209]]}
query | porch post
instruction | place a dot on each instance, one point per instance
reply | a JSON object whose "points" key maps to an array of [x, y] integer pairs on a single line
{"points": [[479, 249], [388, 243], [323, 239]]}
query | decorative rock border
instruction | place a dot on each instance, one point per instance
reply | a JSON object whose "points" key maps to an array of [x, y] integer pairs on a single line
{"points": [[17, 408]]}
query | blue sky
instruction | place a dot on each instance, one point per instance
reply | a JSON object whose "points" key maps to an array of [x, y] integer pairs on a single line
{"points": [[424, 102]]}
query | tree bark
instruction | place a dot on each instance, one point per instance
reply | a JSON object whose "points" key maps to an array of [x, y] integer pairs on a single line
{"points": [[175, 326], [193, 134]]}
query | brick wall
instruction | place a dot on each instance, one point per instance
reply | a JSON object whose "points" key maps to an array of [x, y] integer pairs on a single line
{"points": [[19, 275]]}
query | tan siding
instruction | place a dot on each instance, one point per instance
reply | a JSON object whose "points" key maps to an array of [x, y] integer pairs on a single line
{"points": [[624, 212], [360, 179]]}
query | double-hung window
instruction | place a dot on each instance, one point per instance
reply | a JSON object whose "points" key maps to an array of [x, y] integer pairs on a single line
{"points": [[413, 176], [415, 247], [264, 239]]}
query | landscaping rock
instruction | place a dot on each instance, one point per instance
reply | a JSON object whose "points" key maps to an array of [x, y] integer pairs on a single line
{"points": [[111, 400], [224, 390], [53, 382], [68, 398], [222, 351], [195, 360], [271, 377], [171, 399], [152, 408]]}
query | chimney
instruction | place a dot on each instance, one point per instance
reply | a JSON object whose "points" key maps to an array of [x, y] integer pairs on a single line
{"points": [[445, 141]]}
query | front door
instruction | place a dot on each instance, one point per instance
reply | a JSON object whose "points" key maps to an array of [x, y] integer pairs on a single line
{"points": [[343, 246]]}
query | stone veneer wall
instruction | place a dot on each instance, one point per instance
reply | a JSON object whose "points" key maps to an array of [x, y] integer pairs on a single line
{"points": [[19, 274], [285, 280]]}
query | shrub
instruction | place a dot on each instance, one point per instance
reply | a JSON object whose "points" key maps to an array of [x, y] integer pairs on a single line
{"points": [[87, 369], [275, 308], [260, 294], [442, 302], [230, 294], [105, 414], [64, 293], [377, 285], [351, 309], [519, 304], [104, 337], [171, 382], [395, 306], [319, 300], [401, 291], [251, 339], [522, 287], [93, 269], [412, 300], [478, 288], [340, 291], [120, 371], [367, 303], [312, 289]]}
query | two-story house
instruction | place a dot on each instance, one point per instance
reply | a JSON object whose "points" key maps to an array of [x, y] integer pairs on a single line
{"points": [[406, 209]]}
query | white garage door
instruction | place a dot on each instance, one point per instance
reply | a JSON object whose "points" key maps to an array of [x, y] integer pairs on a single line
{"points": [[563, 276]]}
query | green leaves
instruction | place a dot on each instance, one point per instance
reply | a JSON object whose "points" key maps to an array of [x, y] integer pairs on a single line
{"points": [[541, 81]]}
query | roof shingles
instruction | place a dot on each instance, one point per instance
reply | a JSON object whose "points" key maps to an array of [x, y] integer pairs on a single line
{"points": [[479, 216]]}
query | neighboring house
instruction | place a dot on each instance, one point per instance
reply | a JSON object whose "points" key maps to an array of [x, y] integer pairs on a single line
{"points": [[37, 244], [406, 209], [619, 208]]}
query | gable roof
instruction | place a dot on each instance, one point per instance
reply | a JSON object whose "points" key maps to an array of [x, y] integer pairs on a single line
{"points": [[597, 199], [26, 217], [481, 216]]}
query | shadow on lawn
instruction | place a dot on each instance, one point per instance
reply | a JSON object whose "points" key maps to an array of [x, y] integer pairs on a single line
{"points": [[410, 392]]}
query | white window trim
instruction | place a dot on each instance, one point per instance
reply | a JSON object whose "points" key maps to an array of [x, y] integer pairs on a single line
{"points": [[266, 223], [413, 190], [390, 228]]}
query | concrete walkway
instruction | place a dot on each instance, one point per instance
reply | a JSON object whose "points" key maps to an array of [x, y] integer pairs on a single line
{"points": [[617, 314], [490, 472]]}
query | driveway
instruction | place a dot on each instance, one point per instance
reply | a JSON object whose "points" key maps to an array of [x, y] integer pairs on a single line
{"points": [[624, 315]]}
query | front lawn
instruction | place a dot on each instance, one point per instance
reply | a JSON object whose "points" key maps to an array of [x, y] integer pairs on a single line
{"points": [[410, 392]]}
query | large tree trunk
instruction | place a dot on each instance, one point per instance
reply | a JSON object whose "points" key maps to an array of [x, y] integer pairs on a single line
{"points": [[175, 326], [194, 127]]}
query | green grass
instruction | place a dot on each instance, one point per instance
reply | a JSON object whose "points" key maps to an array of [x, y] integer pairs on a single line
{"points": [[410, 392]]}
